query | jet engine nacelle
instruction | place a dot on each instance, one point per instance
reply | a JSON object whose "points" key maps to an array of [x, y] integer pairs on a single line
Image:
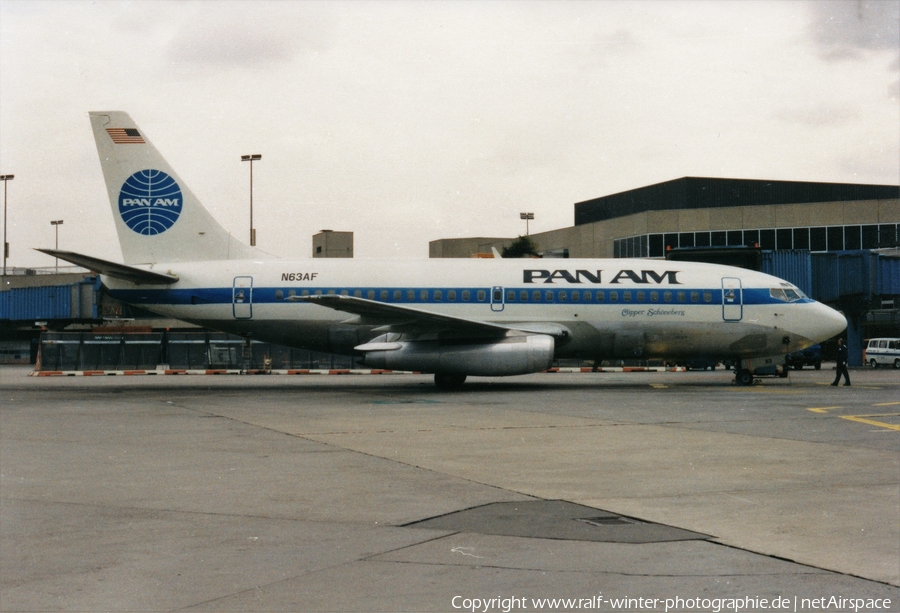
{"points": [[514, 355]]}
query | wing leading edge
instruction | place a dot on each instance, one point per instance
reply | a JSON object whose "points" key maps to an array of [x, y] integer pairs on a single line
{"points": [[397, 318]]}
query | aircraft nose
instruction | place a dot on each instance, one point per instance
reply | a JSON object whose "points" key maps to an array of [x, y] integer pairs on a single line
{"points": [[829, 322]]}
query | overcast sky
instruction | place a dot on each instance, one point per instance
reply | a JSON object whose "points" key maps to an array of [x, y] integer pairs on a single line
{"points": [[406, 122]]}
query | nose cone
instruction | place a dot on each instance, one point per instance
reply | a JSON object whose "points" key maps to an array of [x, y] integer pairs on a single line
{"points": [[828, 323]]}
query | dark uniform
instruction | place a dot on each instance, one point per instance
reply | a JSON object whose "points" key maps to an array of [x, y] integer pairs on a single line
{"points": [[842, 355]]}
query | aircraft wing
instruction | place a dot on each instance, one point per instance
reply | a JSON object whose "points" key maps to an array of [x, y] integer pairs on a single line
{"points": [[138, 276], [397, 318]]}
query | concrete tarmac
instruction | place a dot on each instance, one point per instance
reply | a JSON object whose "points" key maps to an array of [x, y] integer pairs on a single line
{"points": [[381, 493]]}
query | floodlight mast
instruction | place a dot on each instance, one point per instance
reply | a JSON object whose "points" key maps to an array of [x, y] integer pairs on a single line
{"points": [[6, 179], [527, 217], [251, 158]]}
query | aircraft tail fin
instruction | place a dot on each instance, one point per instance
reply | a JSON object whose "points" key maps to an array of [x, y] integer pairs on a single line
{"points": [[158, 218]]}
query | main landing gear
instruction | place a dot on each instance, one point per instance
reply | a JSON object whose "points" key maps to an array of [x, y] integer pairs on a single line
{"points": [[743, 376], [448, 381]]}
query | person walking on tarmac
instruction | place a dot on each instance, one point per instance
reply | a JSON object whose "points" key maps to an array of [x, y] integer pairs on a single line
{"points": [[841, 368]]}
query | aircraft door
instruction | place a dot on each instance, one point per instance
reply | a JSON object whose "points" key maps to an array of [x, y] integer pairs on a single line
{"points": [[497, 298], [732, 299], [242, 298]]}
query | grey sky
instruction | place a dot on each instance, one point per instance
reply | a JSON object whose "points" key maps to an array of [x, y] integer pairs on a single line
{"points": [[411, 121]]}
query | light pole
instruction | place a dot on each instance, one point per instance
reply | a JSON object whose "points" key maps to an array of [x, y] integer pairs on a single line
{"points": [[5, 179], [57, 223], [251, 158], [526, 217]]}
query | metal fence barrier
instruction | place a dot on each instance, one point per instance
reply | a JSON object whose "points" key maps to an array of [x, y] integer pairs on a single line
{"points": [[74, 351]]}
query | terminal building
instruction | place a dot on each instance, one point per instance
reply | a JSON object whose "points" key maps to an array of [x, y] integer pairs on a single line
{"points": [[839, 243], [703, 212]]}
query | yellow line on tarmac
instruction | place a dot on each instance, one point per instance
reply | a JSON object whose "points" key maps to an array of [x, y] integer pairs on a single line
{"points": [[823, 409], [880, 424], [885, 404]]}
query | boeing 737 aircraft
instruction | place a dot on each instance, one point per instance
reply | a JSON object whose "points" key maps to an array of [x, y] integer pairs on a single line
{"points": [[452, 318]]}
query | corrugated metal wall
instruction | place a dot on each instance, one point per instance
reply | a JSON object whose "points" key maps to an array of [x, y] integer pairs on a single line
{"points": [[792, 266], [888, 276], [77, 301]]}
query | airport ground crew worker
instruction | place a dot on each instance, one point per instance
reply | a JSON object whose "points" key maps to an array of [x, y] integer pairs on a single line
{"points": [[841, 368]]}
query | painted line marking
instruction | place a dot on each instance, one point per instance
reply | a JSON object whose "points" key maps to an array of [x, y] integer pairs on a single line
{"points": [[885, 404], [823, 409], [871, 422]]}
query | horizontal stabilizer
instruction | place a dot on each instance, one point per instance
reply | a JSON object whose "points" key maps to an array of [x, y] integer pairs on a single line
{"points": [[138, 276]]}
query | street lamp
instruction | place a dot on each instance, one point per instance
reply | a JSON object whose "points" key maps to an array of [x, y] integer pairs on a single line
{"points": [[526, 217], [251, 158], [5, 179], [57, 223]]}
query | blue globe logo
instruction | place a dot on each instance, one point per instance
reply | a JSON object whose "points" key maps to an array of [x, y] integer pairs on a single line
{"points": [[150, 202]]}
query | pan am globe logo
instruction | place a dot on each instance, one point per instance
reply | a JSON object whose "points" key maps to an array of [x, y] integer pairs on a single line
{"points": [[150, 202]]}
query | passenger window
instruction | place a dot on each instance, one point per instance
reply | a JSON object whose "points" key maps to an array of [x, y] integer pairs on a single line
{"points": [[681, 296], [523, 295], [357, 293], [613, 296], [601, 296], [576, 296], [306, 293], [536, 295], [882, 344], [894, 345], [482, 295], [510, 295], [411, 295], [318, 292], [451, 295], [438, 295], [548, 295], [587, 296], [279, 294], [667, 296], [563, 295], [345, 292], [654, 296], [292, 292], [695, 296], [370, 294], [640, 296], [626, 295], [423, 295], [707, 296], [397, 295], [466, 295]]}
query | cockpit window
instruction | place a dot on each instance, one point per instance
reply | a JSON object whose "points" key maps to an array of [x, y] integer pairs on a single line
{"points": [[787, 293]]}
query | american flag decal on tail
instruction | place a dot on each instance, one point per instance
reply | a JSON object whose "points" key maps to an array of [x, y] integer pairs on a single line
{"points": [[125, 136]]}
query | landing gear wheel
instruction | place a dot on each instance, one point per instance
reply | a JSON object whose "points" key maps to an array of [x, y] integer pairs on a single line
{"points": [[744, 377], [448, 381]]}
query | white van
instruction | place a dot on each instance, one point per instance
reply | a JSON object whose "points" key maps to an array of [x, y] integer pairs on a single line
{"points": [[883, 351]]}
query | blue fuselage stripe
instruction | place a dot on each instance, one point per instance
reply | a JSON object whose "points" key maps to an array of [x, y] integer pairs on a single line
{"points": [[452, 295]]}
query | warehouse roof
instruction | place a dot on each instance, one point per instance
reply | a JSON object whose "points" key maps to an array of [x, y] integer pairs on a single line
{"points": [[704, 192]]}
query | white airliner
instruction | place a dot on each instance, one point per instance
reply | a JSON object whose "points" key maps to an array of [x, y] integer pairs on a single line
{"points": [[450, 317]]}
